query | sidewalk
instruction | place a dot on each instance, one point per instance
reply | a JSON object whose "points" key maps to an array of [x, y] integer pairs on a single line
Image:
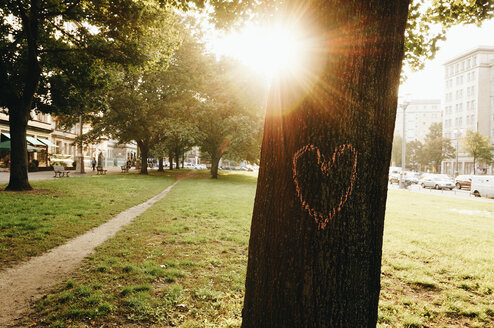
{"points": [[45, 175]]}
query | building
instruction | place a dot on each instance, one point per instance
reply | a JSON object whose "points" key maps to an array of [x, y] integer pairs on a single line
{"points": [[420, 114], [468, 105], [49, 142]]}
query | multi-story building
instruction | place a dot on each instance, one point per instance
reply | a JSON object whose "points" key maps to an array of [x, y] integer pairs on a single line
{"points": [[49, 142], [468, 105], [420, 114]]}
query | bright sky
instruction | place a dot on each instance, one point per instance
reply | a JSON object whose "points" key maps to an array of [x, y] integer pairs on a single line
{"points": [[274, 50], [428, 83]]}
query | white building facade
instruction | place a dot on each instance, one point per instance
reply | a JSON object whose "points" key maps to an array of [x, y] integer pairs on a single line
{"points": [[468, 105], [420, 114]]}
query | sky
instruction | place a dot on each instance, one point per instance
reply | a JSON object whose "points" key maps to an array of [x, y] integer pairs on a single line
{"points": [[429, 82]]}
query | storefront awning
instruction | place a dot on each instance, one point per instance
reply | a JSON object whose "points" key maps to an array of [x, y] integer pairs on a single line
{"points": [[5, 146], [47, 142], [34, 141]]}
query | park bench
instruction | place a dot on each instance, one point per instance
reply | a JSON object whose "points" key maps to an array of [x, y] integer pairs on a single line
{"points": [[100, 170], [60, 171], [125, 169]]}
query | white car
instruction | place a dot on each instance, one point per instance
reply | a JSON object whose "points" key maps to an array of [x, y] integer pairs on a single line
{"points": [[437, 181], [482, 185]]}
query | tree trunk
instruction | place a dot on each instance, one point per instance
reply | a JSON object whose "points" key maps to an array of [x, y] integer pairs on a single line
{"points": [[170, 159], [474, 166], [183, 160], [215, 161], [18, 151], [144, 157], [316, 235], [177, 160], [19, 110], [160, 165]]}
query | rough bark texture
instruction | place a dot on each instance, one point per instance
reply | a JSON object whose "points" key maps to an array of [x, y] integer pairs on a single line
{"points": [[144, 147], [170, 159], [214, 167], [18, 155], [160, 165], [316, 236], [20, 107], [177, 160]]}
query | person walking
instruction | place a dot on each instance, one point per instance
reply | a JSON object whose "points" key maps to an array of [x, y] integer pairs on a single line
{"points": [[93, 163]]}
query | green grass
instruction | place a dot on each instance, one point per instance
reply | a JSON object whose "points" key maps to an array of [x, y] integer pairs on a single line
{"points": [[59, 209], [438, 262], [183, 264]]}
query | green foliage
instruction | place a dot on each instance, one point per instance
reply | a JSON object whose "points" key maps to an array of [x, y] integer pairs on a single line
{"points": [[229, 119], [478, 147], [428, 22], [436, 148]]}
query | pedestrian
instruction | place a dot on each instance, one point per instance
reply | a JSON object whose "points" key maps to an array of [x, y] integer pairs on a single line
{"points": [[93, 163]]}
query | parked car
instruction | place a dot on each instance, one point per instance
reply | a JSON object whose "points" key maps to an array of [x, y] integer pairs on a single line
{"points": [[463, 181], [437, 181], [411, 176], [482, 186], [394, 174]]}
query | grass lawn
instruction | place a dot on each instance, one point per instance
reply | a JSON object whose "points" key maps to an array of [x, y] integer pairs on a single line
{"points": [[183, 262], [59, 209]]}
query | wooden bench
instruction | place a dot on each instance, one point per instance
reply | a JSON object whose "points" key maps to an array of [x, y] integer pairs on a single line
{"points": [[100, 170], [60, 171], [125, 169]]}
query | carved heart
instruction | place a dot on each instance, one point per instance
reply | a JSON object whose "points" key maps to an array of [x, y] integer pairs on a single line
{"points": [[321, 216]]}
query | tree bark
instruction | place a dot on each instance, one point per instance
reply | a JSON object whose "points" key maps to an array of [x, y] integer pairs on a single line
{"points": [[316, 235], [215, 161], [183, 160], [19, 111], [170, 159], [160, 165], [144, 147], [177, 160], [18, 151]]}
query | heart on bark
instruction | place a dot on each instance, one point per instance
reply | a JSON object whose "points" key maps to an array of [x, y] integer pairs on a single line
{"points": [[332, 191]]}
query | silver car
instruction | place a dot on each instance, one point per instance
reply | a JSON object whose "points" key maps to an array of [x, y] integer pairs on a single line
{"points": [[437, 181]]}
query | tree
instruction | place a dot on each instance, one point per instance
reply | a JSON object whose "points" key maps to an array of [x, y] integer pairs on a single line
{"points": [[40, 41], [229, 120], [437, 148], [396, 150], [478, 147], [414, 156], [316, 234], [146, 100]]}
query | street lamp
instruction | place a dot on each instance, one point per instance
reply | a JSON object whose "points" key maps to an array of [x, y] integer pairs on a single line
{"points": [[403, 106], [457, 135]]}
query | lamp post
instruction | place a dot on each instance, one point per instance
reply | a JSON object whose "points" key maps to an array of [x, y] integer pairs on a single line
{"points": [[403, 106], [457, 135]]}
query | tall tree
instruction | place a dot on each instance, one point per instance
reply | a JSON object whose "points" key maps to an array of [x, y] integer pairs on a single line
{"points": [[229, 119], [38, 38], [316, 236], [478, 147], [437, 148], [145, 100], [315, 246], [414, 153]]}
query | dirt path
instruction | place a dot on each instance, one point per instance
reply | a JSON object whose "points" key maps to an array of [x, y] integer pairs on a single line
{"points": [[23, 283]]}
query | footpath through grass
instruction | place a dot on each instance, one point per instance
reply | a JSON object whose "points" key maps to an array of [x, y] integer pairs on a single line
{"points": [[59, 209], [183, 262]]}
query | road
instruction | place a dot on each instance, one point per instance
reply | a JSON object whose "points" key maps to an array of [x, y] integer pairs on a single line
{"points": [[455, 193]]}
